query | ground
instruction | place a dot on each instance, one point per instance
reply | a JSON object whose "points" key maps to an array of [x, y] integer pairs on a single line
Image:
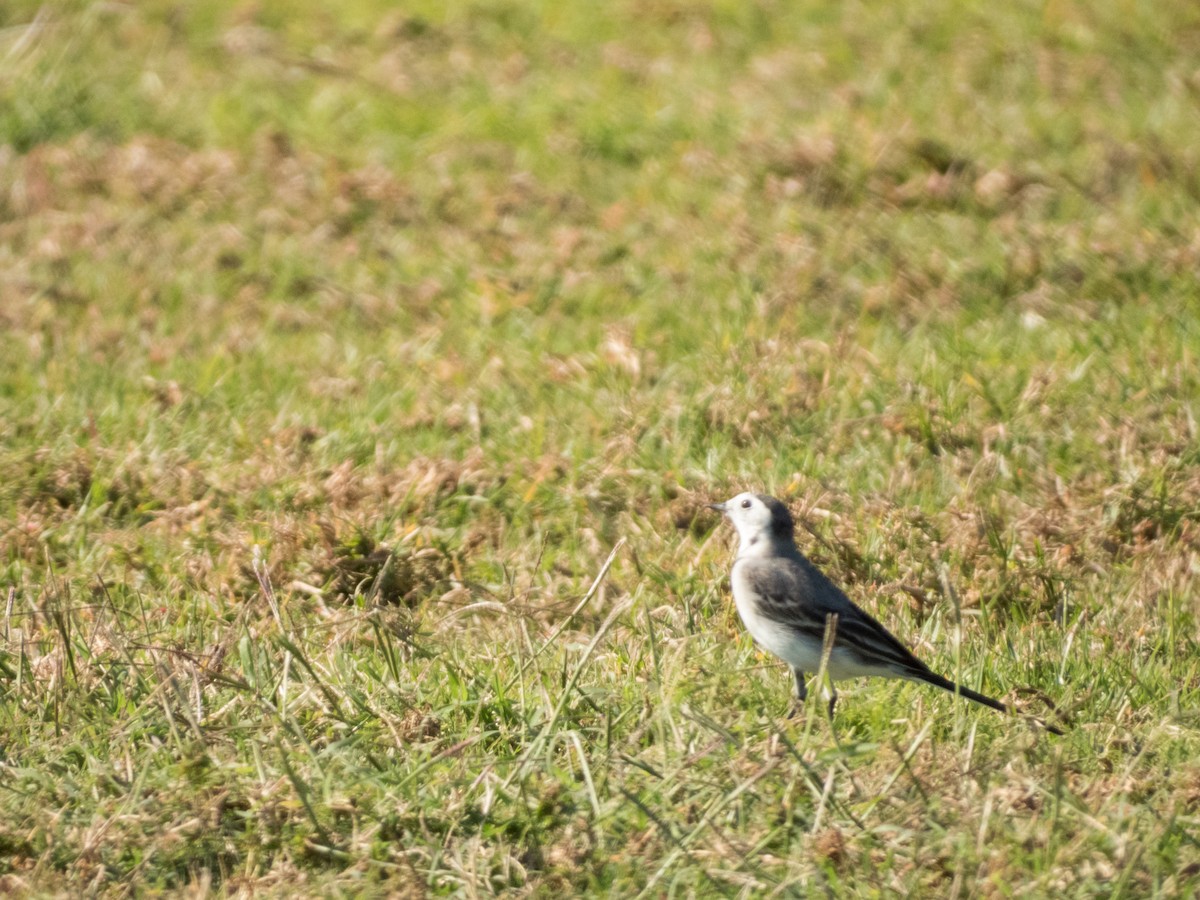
{"points": [[367, 370]]}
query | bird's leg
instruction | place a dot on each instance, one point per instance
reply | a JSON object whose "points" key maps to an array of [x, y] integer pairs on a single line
{"points": [[832, 699], [801, 692]]}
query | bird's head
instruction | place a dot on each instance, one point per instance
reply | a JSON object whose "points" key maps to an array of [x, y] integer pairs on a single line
{"points": [[763, 523]]}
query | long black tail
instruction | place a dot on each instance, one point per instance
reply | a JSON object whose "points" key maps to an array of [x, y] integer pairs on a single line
{"points": [[947, 685]]}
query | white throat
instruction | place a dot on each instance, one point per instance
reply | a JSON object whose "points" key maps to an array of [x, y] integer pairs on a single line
{"points": [[762, 544]]}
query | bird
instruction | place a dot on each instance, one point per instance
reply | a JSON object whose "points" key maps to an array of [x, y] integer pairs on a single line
{"points": [[789, 606]]}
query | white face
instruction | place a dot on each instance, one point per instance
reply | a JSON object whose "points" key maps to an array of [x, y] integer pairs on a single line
{"points": [[748, 514]]}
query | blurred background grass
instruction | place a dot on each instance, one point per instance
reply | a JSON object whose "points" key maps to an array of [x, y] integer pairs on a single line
{"points": [[344, 342]]}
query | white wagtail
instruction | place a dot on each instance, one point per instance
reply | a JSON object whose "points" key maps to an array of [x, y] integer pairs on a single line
{"points": [[787, 604]]}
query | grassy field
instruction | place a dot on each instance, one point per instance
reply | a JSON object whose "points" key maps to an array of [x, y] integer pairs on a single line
{"points": [[365, 371]]}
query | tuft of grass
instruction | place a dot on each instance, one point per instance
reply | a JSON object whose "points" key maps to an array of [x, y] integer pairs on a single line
{"points": [[367, 370]]}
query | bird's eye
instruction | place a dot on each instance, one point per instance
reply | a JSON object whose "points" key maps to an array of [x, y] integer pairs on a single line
{"points": [[745, 504]]}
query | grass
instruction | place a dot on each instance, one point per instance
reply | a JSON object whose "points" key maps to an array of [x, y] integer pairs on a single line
{"points": [[366, 371]]}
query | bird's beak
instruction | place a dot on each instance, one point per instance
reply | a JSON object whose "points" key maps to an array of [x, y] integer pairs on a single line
{"points": [[719, 507]]}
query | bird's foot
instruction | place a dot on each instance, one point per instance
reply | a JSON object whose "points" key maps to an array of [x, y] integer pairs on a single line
{"points": [[800, 692]]}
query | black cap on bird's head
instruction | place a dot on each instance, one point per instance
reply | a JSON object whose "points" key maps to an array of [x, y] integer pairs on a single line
{"points": [[782, 523], [758, 515]]}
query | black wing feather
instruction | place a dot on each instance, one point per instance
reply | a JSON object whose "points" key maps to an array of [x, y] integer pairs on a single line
{"points": [[794, 591]]}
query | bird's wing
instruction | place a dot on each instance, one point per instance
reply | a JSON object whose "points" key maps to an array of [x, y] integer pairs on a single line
{"points": [[797, 593]]}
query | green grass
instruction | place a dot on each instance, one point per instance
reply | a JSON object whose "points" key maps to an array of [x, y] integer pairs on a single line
{"points": [[342, 344]]}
